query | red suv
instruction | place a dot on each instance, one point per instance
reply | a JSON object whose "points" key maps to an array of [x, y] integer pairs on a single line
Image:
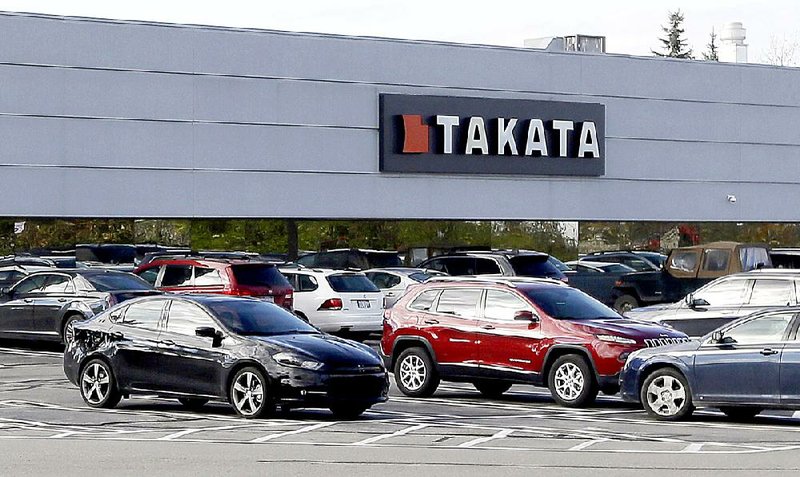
{"points": [[226, 277], [497, 332]]}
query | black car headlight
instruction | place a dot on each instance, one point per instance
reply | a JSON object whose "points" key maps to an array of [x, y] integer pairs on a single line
{"points": [[296, 361]]}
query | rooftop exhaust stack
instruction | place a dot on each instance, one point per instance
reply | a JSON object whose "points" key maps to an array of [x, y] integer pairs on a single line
{"points": [[732, 47], [579, 43]]}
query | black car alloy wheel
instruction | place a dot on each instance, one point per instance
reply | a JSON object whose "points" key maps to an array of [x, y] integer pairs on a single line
{"points": [[98, 387], [248, 393]]}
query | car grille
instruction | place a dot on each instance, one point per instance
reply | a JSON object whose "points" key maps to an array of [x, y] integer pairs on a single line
{"points": [[656, 342], [356, 386]]}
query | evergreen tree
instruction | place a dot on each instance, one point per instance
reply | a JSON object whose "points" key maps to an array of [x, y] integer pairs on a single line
{"points": [[713, 50], [674, 44]]}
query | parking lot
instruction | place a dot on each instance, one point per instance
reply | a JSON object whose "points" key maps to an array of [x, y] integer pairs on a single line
{"points": [[43, 422]]}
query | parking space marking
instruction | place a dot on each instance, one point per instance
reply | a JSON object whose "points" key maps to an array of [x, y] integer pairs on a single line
{"points": [[586, 445], [23, 352], [503, 433], [270, 437], [401, 432]]}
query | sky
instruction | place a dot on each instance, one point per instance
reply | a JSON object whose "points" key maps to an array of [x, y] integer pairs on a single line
{"points": [[630, 26]]}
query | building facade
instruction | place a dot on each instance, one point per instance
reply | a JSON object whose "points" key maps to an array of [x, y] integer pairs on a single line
{"points": [[102, 118]]}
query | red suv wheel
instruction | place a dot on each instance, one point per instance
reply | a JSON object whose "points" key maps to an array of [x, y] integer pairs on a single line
{"points": [[415, 374]]}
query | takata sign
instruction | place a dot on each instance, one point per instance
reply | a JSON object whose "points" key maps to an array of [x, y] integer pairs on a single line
{"points": [[463, 135]]}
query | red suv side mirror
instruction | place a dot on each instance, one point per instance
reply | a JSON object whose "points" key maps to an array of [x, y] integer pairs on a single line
{"points": [[525, 315]]}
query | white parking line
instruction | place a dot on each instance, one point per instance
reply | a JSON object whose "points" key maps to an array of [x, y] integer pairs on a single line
{"points": [[23, 352], [497, 435], [381, 437], [270, 437], [586, 444]]}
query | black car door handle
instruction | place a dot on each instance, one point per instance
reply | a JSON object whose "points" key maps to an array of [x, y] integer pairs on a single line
{"points": [[168, 342], [768, 351], [28, 300], [487, 327], [431, 322], [116, 335], [62, 300]]}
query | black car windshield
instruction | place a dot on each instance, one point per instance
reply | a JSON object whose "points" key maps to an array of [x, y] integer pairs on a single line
{"points": [[568, 304], [106, 282], [258, 318]]}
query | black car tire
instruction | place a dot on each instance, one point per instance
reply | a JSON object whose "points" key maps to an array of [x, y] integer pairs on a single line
{"points": [[68, 323], [348, 411], [415, 373], [741, 413], [98, 385], [492, 389], [193, 404], [625, 303], [671, 380], [571, 381], [249, 405]]}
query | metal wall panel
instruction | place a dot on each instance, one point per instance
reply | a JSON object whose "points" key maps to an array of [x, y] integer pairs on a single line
{"points": [[122, 119]]}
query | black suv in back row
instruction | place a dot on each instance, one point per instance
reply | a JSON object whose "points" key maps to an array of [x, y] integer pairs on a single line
{"points": [[498, 263]]}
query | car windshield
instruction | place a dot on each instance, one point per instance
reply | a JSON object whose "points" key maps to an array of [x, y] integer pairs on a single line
{"points": [[257, 318], [569, 304], [351, 283], [107, 282], [419, 276]]}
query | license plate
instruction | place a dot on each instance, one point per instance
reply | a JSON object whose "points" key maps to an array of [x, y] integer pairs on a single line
{"points": [[270, 299], [362, 303]]}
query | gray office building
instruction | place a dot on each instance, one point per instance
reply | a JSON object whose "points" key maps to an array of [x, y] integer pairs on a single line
{"points": [[103, 118]]}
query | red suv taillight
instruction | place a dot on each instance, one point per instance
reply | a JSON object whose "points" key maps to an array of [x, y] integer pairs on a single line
{"points": [[288, 301], [331, 304]]}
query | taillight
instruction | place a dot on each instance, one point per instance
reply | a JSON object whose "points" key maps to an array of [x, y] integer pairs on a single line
{"points": [[242, 292], [331, 304]]}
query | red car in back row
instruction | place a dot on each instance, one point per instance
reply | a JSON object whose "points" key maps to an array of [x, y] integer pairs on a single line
{"points": [[219, 276], [497, 332]]}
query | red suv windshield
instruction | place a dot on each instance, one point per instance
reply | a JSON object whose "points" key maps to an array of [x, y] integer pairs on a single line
{"points": [[569, 304]]}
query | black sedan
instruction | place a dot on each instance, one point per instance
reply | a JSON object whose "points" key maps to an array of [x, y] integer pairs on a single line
{"points": [[45, 305], [197, 348]]}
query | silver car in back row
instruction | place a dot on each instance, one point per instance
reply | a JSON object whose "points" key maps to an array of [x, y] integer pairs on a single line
{"points": [[724, 300]]}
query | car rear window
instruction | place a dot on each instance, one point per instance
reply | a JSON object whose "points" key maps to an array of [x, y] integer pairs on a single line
{"points": [[383, 260], [535, 266], [257, 318], [117, 281], [259, 275], [419, 276], [350, 283]]}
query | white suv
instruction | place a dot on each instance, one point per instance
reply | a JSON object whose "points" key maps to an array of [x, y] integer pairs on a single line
{"points": [[336, 301]]}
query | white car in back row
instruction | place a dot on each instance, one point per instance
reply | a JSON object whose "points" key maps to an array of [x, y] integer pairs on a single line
{"points": [[336, 301], [393, 281]]}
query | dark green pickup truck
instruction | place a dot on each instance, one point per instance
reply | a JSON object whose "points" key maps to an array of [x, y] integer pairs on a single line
{"points": [[686, 270]]}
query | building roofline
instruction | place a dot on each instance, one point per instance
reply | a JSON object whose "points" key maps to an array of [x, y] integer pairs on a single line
{"points": [[339, 36]]}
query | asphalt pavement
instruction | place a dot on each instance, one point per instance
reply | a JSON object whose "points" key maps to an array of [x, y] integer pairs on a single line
{"points": [[46, 429]]}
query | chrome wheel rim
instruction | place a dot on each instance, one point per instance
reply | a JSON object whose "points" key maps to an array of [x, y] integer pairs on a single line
{"points": [[248, 393], [69, 332], [95, 383], [666, 396], [412, 372], [569, 381]]}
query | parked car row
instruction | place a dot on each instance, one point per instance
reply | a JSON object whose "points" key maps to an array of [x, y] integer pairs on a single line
{"points": [[248, 320]]}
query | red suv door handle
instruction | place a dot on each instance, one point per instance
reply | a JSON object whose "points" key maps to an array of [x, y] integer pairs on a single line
{"points": [[768, 351], [431, 322], [487, 327]]}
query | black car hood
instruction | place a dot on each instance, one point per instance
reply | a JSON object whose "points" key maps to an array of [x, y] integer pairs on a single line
{"points": [[327, 349]]}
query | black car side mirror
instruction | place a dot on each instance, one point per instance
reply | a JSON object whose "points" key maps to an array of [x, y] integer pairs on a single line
{"points": [[5, 291], [210, 332], [525, 315], [698, 303]]}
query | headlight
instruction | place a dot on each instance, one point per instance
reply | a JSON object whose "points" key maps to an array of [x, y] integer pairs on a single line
{"points": [[616, 339], [295, 361]]}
